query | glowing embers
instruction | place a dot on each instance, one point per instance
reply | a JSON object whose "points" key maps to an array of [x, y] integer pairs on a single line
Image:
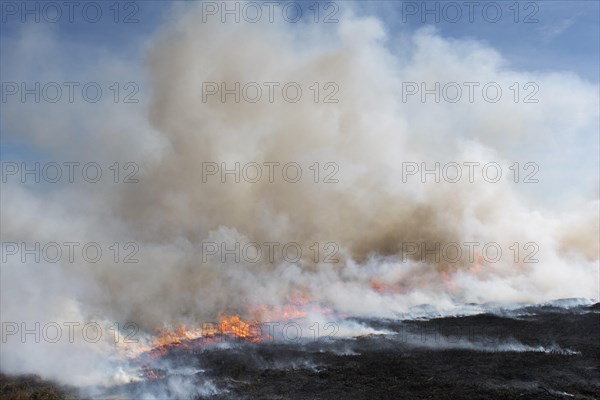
{"points": [[296, 308]]}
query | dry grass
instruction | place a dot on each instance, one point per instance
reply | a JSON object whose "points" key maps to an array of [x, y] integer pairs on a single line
{"points": [[31, 387]]}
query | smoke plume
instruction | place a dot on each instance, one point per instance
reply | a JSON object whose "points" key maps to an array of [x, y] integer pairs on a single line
{"points": [[369, 215]]}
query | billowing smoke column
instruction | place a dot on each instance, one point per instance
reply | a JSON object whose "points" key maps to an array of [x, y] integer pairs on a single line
{"points": [[380, 231]]}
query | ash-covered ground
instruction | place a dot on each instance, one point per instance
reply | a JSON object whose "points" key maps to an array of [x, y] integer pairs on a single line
{"points": [[537, 352], [541, 352]]}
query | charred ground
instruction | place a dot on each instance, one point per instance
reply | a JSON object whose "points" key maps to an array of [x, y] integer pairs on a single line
{"points": [[532, 353], [421, 363]]}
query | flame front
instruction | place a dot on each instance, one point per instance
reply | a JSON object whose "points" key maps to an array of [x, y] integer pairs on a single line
{"points": [[236, 327], [229, 325]]}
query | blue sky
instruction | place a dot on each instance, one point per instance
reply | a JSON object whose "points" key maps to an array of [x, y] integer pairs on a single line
{"points": [[566, 36]]}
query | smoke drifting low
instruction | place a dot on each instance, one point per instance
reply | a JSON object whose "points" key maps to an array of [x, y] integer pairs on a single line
{"points": [[370, 214]]}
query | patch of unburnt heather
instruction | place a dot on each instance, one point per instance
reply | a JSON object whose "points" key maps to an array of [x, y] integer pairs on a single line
{"points": [[32, 387]]}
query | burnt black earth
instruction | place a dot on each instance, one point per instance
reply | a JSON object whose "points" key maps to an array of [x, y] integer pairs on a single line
{"points": [[532, 352], [540, 352]]}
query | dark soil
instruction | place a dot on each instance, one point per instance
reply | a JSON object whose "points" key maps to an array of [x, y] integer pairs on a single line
{"points": [[420, 363], [474, 357]]}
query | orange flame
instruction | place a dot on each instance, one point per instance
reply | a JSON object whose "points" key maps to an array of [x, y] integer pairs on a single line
{"points": [[230, 326], [234, 326]]}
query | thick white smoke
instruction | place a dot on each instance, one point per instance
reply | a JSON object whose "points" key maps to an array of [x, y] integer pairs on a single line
{"points": [[369, 214]]}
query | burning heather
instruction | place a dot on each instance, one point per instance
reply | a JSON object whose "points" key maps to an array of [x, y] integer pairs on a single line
{"points": [[297, 200]]}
